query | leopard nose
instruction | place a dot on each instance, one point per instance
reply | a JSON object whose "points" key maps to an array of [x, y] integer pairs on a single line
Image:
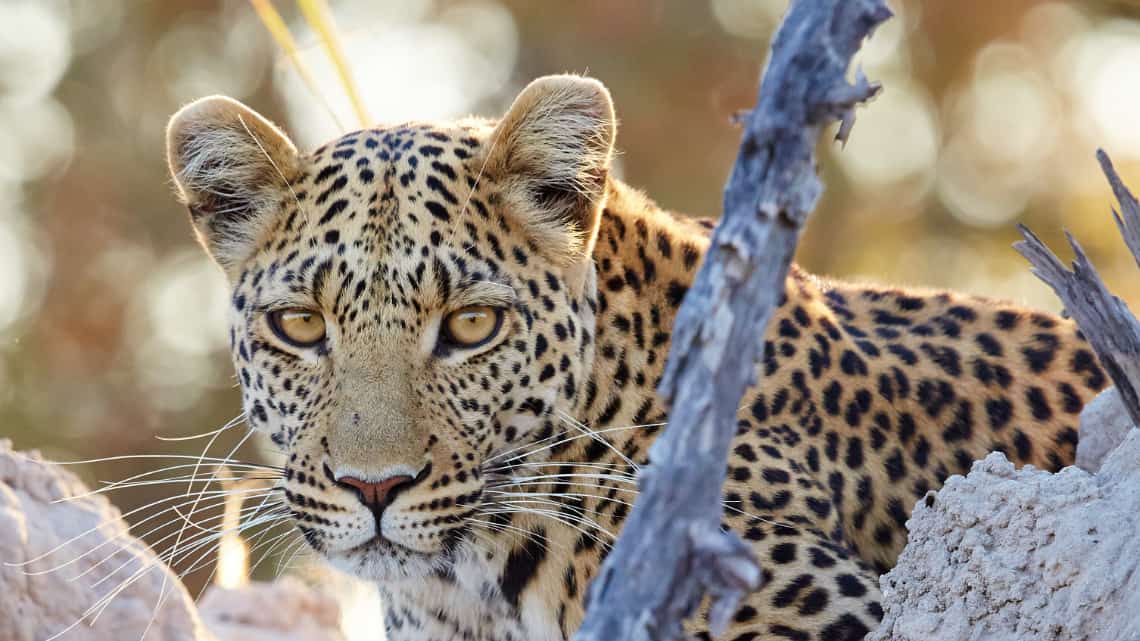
{"points": [[376, 495]]}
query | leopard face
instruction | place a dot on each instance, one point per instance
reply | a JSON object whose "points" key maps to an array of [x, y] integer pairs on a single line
{"points": [[408, 303]]}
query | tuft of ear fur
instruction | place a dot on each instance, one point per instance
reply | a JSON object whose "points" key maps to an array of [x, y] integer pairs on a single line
{"points": [[552, 151], [232, 168]]}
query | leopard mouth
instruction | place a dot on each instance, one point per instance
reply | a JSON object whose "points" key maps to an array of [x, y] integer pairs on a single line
{"points": [[380, 559], [376, 544]]}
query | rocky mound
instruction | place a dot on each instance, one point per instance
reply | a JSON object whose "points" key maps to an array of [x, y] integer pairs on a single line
{"points": [[1005, 554], [48, 581], [62, 550]]}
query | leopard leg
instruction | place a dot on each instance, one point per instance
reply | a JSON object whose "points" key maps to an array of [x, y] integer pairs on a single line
{"points": [[814, 589], [815, 586]]}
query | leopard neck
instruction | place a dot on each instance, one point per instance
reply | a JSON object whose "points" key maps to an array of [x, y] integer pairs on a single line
{"points": [[646, 259]]}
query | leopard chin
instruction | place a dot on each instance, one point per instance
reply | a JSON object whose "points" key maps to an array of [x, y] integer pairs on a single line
{"points": [[381, 560]]}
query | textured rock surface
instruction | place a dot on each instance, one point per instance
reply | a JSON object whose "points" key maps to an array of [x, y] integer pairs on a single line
{"points": [[1008, 555], [284, 610], [1104, 424], [38, 603]]}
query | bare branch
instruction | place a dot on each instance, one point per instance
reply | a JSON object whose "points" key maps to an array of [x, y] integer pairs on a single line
{"points": [[1104, 319], [1129, 222], [672, 551]]}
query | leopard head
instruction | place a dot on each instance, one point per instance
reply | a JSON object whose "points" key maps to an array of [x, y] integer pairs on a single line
{"points": [[409, 304]]}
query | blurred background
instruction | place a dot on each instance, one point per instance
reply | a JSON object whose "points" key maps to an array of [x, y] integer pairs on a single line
{"points": [[112, 326]]}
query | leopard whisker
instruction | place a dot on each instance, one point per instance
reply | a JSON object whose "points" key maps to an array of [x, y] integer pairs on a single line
{"points": [[554, 463], [112, 554], [204, 559], [189, 487], [100, 605], [118, 485], [528, 535], [567, 439], [279, 539], [230, 424], [474, 186], [299, 550], [95, 528], [116, 551], [600, 498], [183, 457], [548, 483], [254, 508], [558, 516], [560, 506], [163, 591], [629, 480], [166, 556], [594, 435]]}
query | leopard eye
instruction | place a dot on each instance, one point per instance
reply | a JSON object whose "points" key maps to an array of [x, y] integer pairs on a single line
{"points": [[298, 327], [472, 326]]}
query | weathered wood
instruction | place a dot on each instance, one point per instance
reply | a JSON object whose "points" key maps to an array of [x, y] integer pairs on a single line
{"points": [[671, 551], [1127, 222], [1104, 319]]}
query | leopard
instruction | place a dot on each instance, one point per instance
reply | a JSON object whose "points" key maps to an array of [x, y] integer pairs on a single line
{"points": [[454, 332]]}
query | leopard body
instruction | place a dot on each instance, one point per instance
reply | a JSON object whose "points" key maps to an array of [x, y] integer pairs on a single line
{"points": [[524, 449]]}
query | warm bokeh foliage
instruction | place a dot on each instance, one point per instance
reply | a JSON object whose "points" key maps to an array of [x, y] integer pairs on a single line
{"points": [[112, 322]]}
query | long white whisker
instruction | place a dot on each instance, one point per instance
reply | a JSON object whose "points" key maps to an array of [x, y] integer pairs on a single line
{"points": [[299, 550], [254, 508], [280, 539], [600, 498], [565, 440], [540, 464], [280, 173], [169, 558], [597, 438], [118, 485], [154, 545], [114, 552], [96, 527], [100, 606], [528, 483], [474, 185], [241, 441], [204, 559], [527, 534], [189, 487], [230, 424], [557, 516], [204, 459], [606, 477]]}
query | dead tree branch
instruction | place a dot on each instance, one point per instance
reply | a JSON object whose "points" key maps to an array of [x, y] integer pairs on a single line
{"points": [[672, 551], [1104, 319]]}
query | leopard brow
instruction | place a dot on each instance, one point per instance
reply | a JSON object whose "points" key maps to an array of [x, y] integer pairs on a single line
{"points": [[298, 300], [484, 292]]}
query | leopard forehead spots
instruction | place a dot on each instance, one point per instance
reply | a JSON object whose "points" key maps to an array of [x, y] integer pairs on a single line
{"points": [[492, 312]]}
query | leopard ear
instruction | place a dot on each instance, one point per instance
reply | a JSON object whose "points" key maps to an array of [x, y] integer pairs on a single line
{"points": [[232, 168], [552, 150]]}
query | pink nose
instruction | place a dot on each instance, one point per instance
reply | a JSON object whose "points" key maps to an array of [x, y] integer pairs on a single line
{"points": [[376, 495]]}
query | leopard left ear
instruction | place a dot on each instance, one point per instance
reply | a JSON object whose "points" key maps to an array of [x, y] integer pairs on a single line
{"points": [[232, 168], [552, 150]]}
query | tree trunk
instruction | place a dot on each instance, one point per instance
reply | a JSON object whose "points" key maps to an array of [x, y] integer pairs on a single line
{"points": [[672, 551]]}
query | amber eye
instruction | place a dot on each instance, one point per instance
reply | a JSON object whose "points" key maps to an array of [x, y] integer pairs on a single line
{"points": [[298, 327], [471, 326]]}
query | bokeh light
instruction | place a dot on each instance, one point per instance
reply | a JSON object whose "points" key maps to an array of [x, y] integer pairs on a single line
{"points": [[412, 63]]}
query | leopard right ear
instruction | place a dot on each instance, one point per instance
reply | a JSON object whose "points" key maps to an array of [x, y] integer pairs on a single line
{"points": [[233, 168]]}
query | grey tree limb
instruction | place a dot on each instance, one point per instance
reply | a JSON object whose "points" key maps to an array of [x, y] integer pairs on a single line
{"points": [[1104, 319], [672, 551]]}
